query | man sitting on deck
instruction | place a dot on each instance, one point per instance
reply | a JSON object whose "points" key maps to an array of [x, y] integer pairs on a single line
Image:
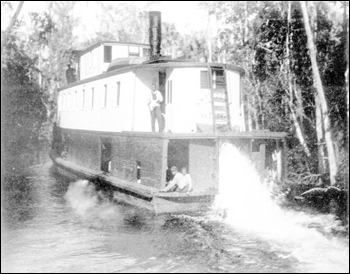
{"points": [[180, 182], [186, 181]]}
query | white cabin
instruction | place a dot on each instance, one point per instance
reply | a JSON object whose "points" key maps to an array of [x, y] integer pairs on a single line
{"points": [[96, 59], [117, 100]]}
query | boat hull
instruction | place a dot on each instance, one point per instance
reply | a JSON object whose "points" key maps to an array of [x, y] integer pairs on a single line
{"points": [[137, 195]]}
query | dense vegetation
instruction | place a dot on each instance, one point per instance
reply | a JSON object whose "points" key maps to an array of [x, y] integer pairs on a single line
{"points": [[268, 39]]}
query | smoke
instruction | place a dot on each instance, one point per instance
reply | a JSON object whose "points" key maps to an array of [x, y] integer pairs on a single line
{"points": [[249, 207], [91, 205]]}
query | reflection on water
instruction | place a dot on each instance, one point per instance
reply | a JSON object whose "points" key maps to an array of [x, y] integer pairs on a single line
{"points": [[50, 224]]}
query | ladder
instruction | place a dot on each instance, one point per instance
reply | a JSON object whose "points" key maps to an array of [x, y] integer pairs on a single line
{"points": [[220, 103]]}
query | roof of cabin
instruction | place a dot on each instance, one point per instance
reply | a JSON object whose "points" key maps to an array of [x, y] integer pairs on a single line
{"points": [[156, 65], [124, 62], [129, 61], [108, 43]]}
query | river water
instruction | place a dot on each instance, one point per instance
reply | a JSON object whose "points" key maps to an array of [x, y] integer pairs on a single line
{"points": [[52, 224]]}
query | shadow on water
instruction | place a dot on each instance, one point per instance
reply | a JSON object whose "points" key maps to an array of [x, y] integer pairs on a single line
{"points": [[25, 192], [18, 196]]}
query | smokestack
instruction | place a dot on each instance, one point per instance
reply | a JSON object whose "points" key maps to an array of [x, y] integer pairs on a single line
{"points": [[155, 34]]}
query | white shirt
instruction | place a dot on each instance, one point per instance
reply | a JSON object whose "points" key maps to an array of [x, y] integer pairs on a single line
{"points": [[175, 181], [186, 180], [155, 102]]}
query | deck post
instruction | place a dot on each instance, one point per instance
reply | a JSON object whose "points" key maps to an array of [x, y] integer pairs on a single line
{"points": [[165, 162]]}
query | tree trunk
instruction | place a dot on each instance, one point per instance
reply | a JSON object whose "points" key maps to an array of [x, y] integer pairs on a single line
{"points": [[297, 125], [245, 23], [255, 112], [346, 30], [209, 38], [320, 138], [322, 164], [11, 24], [250, 122], [299, 132], [260, 103], [332, 161]]}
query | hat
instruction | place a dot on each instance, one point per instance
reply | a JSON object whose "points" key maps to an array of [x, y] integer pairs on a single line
{"points": [[174, 168]]}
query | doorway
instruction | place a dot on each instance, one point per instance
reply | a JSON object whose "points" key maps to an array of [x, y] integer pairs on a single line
{"points": [[162, 83], [178, 155]]}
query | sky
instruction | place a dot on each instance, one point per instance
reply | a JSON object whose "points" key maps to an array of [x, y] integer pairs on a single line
{"points": [[186, 15]]}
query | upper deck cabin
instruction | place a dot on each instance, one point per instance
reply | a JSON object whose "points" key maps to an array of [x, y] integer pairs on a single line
{"points": [[197, 98], [95, 59], [113, 96]]}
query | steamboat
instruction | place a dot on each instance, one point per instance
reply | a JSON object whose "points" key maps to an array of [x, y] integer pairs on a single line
{"points": [[104, 128]]}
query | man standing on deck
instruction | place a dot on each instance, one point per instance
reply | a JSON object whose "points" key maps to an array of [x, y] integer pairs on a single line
{"points": [[70, 75], [154, 101]]}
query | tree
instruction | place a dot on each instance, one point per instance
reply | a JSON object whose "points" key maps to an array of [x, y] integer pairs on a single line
{"points": [[297, 125], [12, 23], [272, 47], [332, 161], [51, 44], [23, 110]]}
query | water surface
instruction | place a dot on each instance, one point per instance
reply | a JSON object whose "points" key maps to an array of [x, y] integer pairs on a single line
{"points": [[51, 224]]}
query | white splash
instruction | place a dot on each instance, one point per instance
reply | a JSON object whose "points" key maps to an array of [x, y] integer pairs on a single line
{"points": [[91, 205], [250, 208]]}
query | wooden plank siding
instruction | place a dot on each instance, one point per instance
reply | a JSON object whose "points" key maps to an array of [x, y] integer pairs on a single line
{"points": [[84, 149], [127, 150]]}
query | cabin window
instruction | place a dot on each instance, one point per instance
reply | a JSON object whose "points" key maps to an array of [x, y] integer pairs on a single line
{"points": [[117, 99], [83, 99], [71, 100], [66, 101], [92, 98], [76, 100], [90, 59], [86, 104], [204, 79], [145, 52], [169, 93], [138, 171], [88, 97], [134, 51], [255, 146], [105, 97], [107, 54], [218, 75]]}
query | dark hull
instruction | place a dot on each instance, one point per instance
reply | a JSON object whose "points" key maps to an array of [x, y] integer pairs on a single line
{"points": [[138, 195]]}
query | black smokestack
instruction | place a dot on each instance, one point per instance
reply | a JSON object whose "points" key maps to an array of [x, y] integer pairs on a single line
{"points": [[155, 34]]}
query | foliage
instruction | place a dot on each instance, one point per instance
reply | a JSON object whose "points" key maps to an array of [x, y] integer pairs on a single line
{"points": [[123, 23], [253, 35], [23, 108], [34, 59]]}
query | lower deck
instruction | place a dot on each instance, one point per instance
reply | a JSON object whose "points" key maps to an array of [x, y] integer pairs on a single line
{"points": [[138, 164]]}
